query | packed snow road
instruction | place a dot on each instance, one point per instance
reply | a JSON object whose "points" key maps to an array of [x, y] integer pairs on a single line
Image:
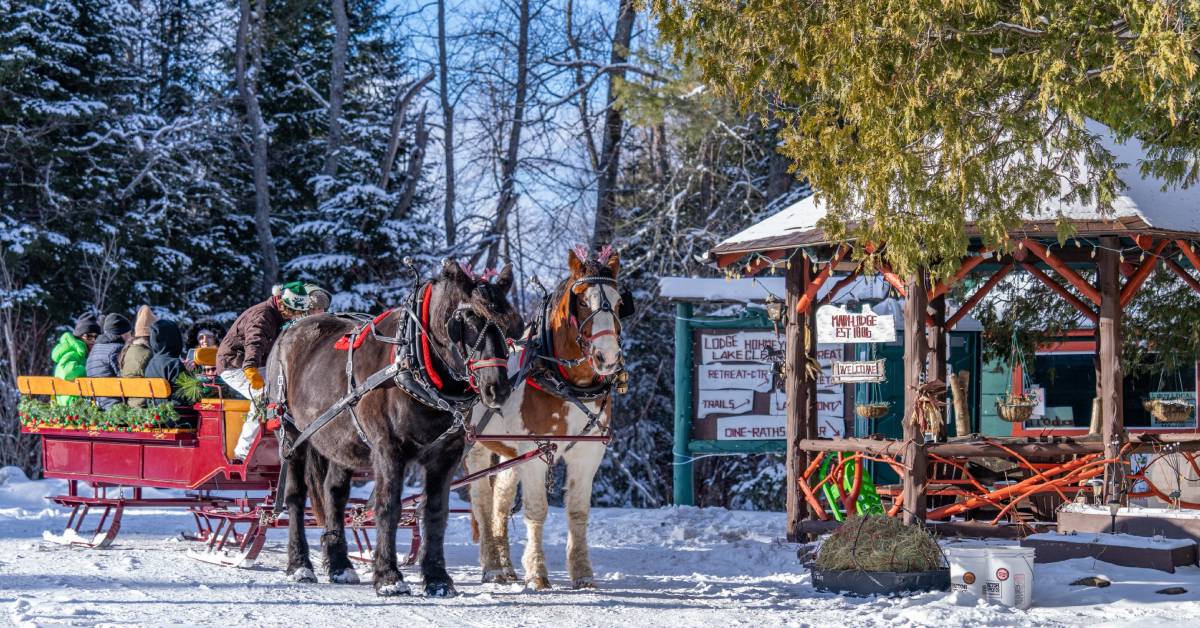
{"points": [[669, 567]]}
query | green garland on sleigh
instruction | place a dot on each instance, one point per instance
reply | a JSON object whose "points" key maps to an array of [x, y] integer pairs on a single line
{"points": [[82, 414]]}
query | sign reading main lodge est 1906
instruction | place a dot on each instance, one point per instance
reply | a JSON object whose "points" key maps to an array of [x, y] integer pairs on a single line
{"points": [[737, 395]]}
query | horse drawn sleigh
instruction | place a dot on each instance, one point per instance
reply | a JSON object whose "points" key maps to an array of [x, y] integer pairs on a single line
{"points": [[355, 399]]}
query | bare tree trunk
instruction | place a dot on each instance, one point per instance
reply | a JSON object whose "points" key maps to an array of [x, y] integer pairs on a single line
{"points": [[247, 91], [416, 161], [508, 171], [610, 151], [448, 216], [399, 109], [337, 86]]}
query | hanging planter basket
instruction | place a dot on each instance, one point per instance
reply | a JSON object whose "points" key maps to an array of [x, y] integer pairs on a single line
{"points": [[872, 411], [1016, 408], [1173, 411]]}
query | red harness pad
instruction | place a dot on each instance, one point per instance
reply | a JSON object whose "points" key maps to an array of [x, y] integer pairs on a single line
{"points": [[343, 343]]}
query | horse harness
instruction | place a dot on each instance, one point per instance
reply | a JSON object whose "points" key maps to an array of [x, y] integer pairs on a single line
{"points": [[546, 372], [411, 369]]}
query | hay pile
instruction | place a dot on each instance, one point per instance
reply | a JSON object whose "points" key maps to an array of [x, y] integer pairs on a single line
{"points": [[877, 543]]}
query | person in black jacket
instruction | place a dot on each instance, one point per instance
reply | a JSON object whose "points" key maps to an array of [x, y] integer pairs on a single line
{"points": [[166, 345], [102, 360]]}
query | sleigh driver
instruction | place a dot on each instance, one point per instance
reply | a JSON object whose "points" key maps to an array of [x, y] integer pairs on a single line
{"points": [[245, 348]]}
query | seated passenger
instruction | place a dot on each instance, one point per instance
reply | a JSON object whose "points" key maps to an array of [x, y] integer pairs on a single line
{"points": [[166, 362], [245, 349], [102, 359], [70, 354], [137, 353], [201, 336]]}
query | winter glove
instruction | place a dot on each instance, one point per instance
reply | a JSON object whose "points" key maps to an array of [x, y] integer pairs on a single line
{"points": [[252, 376]]}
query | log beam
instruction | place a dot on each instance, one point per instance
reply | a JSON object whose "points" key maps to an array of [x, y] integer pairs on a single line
{"points": [[1134, 283], [840, 285], [892, 278], [1191, 255], [915, 354], [1066, 295], [938, 354], [974, 299], [1111, 376], [967, 266], [1183, 274], [814, 285], [797, 399], [1072, 277], [759, 263]]}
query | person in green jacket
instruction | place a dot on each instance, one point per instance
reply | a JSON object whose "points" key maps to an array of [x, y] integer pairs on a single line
{"points": [[70, 354]]}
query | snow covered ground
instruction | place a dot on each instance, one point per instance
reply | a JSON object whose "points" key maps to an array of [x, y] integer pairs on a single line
{"points": [[672, 566]]}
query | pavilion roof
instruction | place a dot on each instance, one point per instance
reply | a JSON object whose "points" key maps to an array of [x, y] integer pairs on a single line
{"points": [[1147, 205]]}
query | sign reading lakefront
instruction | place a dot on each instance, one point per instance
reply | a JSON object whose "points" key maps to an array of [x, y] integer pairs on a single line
{"points": [[838, 325], [857, 372]]}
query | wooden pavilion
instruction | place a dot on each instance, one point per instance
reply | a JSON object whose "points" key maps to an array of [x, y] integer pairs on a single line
{"points": [[1148, 225]]}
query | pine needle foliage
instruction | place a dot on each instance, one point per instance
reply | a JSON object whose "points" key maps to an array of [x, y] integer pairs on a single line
{"points": [[913, 118]]}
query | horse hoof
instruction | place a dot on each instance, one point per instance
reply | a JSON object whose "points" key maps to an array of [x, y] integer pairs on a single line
{"points": [[345, 576], [538, 584], [584, 583], [303, 575], [499, 576], [395, 588], [440, 589]]}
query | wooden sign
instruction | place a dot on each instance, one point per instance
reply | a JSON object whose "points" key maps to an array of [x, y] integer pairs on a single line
{"points": [[724, 402], [857, 372], [752, 427], [742, 376], [740, 346], [838, 325]]}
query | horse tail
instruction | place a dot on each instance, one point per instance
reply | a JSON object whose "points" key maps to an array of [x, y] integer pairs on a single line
{"points": [[315, 468]]}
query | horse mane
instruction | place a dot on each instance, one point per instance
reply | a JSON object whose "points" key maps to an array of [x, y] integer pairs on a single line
{"points": [[562, 296]]}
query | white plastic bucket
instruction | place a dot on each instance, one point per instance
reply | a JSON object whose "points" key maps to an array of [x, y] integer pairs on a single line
{"points": [[968, 566], [1009, 578]]}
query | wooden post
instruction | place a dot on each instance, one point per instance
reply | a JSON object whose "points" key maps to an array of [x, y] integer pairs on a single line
{"points": [[915, 353], [683, 475], [797, 396], [1112, 425], [936, 339]]}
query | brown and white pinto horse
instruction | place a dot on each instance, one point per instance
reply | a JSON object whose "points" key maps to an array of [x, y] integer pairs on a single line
{"points": [[583, 323]]}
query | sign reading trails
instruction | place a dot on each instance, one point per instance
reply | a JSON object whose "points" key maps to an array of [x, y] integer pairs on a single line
{"points": [[838, 325]]}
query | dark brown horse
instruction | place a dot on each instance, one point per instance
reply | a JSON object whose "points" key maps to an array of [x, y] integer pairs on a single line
{"points": [[467, 320]]}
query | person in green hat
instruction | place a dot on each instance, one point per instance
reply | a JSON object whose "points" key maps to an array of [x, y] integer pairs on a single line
{"points": [[71, 352], [245, 348]]}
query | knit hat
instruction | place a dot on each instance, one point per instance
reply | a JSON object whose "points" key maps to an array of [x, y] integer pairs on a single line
{"points": [[292, 295], [86, 324], [116, 324], [141, 325]]}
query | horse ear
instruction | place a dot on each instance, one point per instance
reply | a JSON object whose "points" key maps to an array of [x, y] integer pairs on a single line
{"points": [[614, 263], [575, 264], [453, 271], [504, 280]]}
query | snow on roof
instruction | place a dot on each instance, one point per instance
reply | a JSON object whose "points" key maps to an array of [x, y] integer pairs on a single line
{"points": [[1146, 203], [871, 289]]}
